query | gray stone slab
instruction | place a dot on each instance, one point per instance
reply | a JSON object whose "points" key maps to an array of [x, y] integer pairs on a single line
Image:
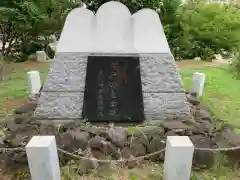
{"points": [[158, 74], [58, 105], [68, 73], [161, 106]]}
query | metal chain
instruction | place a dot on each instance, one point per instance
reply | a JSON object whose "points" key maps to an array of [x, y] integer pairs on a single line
{"points": [[124, 160], [91, 159], [12, 149], [218, 149], [108, 161]]}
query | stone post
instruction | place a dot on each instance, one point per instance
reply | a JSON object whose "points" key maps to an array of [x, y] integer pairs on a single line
{"points": [[43, 158], [41, 56], [34, 83], [178, 158], [198, 81]]}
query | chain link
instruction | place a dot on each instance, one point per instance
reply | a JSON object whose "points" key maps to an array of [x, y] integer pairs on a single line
{"points": [[218, 149], [124, 160], [12, 149], [108, 161]]}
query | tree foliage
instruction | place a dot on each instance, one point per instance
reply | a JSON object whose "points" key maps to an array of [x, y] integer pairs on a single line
{"points": [[165, 8], [133, 5], [205, 29], [23, 21], [192, 29]]}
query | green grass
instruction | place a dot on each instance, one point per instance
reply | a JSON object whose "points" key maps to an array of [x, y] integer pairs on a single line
{"points": [[15, 86], [221, 92]]}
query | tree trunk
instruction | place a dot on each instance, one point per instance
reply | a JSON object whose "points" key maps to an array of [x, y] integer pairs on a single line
{"points": [[3, 49], [1, 68]]}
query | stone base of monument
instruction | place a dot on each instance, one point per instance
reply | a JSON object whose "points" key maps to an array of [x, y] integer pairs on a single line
{"points": [[117, 141], [116, 88]]}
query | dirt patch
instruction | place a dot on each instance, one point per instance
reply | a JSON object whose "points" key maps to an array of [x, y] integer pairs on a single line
{"points": [[13, 67], [192, 63], [5, 176], [14, 103], [8, 106], [34, 64], [215, 95]]}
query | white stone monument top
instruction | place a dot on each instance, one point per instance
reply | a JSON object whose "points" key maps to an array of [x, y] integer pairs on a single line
{"points": [[113, 30]]}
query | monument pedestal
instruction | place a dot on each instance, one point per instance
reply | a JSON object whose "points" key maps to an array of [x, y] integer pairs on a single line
{"points": [[143, 89]]}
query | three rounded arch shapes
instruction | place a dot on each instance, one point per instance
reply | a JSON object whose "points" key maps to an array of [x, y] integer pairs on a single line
{"points": [[113, 29]]}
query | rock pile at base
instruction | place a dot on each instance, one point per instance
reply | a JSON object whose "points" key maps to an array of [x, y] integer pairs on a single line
{"points": [[109, 141]]}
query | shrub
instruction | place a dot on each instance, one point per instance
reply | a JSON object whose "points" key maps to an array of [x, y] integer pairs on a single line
{"points": [[203, 29], [32, 46]]}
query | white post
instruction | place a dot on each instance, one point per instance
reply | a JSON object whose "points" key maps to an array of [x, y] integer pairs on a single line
{"points": [[34, 83], [43, 158], [41, 56], [198, 80], [178, 158]]}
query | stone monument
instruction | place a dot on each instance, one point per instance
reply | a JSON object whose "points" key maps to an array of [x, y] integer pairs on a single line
{"points": [[112, 66]]}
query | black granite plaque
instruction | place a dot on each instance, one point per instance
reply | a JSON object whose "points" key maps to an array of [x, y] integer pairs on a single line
{"points": [[113, 89]]}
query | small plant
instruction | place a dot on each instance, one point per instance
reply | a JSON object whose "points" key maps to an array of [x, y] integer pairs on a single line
{"points": [[131, 130], [133, 176]]}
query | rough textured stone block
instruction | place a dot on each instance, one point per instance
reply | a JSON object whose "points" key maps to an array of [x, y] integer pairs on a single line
{"points": [[158, 74], [160, 106], [59, 105], [68, 73]]}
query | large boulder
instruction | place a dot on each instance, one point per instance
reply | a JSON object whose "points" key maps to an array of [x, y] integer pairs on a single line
{"points": [[229, 139], [117, 135], [156, 144], [202, 158], [100, 143], [73, 140], [81, 139], [27, 107]]}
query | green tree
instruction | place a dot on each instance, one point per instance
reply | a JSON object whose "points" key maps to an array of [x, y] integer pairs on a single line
{"points": [[11, 20], [23, 21], [205, 29], [133, 5]]}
